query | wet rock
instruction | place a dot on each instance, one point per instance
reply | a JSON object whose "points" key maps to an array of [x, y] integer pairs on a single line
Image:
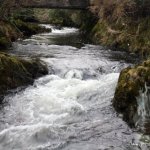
{"points": [[58, 27], [35, 67], [15, 72], [132, 85]]}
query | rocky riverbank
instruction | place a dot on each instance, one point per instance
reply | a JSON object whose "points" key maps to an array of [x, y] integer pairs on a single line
{"points": [[16, 72]]}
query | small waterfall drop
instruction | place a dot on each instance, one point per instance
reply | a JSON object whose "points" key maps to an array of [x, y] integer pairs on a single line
{"points": [[143, 101]]}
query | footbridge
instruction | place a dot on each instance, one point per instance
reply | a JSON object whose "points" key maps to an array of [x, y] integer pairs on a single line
{"points": [[56, 4]]}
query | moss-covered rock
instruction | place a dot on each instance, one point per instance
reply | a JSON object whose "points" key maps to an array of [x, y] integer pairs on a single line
{"points": [[15, 72], [29, 29], [132, 80]]}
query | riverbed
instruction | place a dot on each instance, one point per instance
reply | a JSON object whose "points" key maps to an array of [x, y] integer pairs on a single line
{"points": [[71, 107]]}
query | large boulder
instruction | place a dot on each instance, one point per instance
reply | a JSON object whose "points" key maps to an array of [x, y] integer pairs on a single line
{"points": [[15, 72], [132, 96]]}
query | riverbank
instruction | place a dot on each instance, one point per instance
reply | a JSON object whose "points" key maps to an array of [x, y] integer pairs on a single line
{"points": [[11, 31], [121, 25], [14, 71]]}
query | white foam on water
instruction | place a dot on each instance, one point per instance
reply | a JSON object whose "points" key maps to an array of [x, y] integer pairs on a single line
{"points": [[143, 110], [36, 115], [74, 74], [62, 31]]}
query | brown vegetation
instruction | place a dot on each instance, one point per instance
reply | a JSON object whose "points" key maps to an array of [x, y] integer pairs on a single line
{"points": [[123, 24]]}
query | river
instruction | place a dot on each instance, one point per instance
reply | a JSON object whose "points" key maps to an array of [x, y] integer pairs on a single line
{"points": [[70, 108]]}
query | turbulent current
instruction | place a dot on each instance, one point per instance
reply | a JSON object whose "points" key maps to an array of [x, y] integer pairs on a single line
{"points": [[70, 108]]}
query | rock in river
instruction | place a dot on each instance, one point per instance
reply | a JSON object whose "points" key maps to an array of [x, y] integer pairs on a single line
{"points": [[132, 96], [15, 72]]}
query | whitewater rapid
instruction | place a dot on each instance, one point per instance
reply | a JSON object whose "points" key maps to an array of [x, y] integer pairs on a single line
{"points": [[70, 108]]}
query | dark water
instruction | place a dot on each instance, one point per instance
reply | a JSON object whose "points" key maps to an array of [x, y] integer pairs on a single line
{"points": [[69, 109]]}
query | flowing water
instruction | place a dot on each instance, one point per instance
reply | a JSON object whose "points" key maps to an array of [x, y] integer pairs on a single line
{"points": [[70, 108]]}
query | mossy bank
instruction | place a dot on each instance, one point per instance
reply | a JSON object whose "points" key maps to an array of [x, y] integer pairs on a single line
{"points": [[16, 72], [123, 25], [132, 95]]}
